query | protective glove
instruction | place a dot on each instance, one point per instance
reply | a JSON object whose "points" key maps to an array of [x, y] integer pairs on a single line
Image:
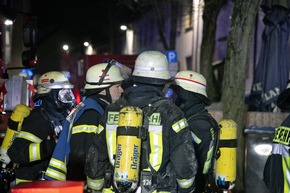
{"points": [[4, 158], [57, 130]]}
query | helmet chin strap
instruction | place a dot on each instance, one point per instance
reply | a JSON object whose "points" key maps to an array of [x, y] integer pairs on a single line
{"points": [[108, 96], [104, 95]]}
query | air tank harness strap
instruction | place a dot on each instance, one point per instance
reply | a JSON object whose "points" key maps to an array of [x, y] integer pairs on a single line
{"points": [[131, 131], [230, 143]]}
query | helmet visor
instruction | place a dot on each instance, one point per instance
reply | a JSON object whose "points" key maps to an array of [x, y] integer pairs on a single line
{"points": [[66, 96]]}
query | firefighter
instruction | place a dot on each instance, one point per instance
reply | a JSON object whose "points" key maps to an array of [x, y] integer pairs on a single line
{"points": [[103, 86], [191, 97], [33, 147], [277, 167], [168, 162]]}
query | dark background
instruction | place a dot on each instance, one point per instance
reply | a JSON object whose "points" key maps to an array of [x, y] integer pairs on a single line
{"points": [[95, 21]]}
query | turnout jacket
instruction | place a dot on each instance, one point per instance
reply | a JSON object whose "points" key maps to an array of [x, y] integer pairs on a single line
{"points": [[170, 147], [68, 159], [83, 132], [277, 168], [34, 145], [204, 130]]}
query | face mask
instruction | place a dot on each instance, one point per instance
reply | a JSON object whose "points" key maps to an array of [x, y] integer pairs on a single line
{"points": [[66, 96]]}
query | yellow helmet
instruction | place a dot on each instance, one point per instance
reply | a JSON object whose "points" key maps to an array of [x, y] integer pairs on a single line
{"points": [[151, 67], [102, 75], [191, 81], [52, 80]]}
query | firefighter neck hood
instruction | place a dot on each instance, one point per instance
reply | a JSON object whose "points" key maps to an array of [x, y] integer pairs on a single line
{"points": [[184, 95], [100, 99], [139, 95], [95, 94]]}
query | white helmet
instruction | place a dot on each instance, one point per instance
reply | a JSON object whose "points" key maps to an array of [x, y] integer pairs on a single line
{"points": [[52, 80], [151, 67], [102, 75], [191, 81]]}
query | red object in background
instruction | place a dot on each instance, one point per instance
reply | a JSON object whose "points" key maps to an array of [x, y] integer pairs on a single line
{"points": [[32, 90], [77, 94], [49, 187], [78, 65], [3, 91]]}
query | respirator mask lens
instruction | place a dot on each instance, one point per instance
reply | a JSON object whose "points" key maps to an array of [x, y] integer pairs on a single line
{"points": [[66, 96]]}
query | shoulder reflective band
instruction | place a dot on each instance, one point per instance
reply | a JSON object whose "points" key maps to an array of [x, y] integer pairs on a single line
{"points": [[282, 135], [178, 126], [29, 137]]}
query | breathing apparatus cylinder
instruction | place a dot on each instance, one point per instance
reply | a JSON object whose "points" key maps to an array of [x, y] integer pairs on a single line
{"points": [[19, 112], [128, 149], [226, 162]]}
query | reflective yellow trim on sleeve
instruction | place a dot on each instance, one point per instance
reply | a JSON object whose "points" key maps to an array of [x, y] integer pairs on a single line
{"points": [[185, 183], [84, 129], [95, 184], [34, 152], [196, 139], [100, 129], [58, 164], [55, 174], [181, 124], [29, 137], [18, 180]]}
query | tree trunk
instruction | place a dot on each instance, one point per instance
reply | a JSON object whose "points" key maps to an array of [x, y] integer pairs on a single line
{"points": [[173, 26], [235, 73], [160, 25], [210, 14]]}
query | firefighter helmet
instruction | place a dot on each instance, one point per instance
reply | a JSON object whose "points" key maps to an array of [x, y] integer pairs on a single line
{"points": [[52, 80], [102, 75], [151, 67], [191, 81]]}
